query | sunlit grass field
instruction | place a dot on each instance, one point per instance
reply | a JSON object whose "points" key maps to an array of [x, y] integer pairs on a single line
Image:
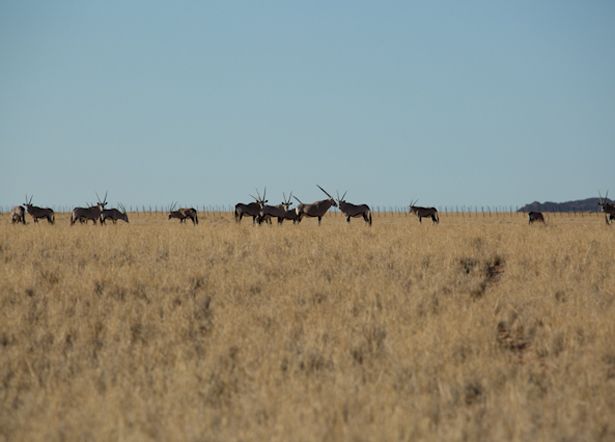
{"points": [[480, 328]]}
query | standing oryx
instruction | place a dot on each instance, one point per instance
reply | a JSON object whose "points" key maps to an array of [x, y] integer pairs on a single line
{"points": [[607, 207], [280, 211], [18, 215], [184, 213], [425, 212], [92, 213], [536, 217], [250, 209], [114, 215], [353, 210], [39, 212], [317, 209]]}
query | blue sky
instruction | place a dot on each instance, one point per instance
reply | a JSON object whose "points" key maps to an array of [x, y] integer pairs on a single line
{"points": [[454, 103]]}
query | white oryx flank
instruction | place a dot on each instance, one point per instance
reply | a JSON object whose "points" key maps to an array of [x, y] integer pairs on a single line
{"points": [[425, 212], [92, 213], [39, 212], [250, 209], [184, 213], [114, 215], [354, 210], [280, 211], [18, 215], [317, 209], [607, 207]]}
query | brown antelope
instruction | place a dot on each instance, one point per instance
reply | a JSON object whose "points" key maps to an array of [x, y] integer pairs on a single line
{"points": [[425, 212], [536, 217], [279, 211], [607, 207], [18, 215], [353, 210], [250, 209], [92, 213], [184, 213], [317, 209], [39, 212], [114, 215]]}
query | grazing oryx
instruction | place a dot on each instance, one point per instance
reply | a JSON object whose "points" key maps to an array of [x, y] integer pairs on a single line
{"points": [[92, 213], [536, 217], [250, 209], [316, 209], [607, 207], [353, 210], [39, 212], [18, 214], [114, 215], [279, 211], [425, 212], [184, 213]]}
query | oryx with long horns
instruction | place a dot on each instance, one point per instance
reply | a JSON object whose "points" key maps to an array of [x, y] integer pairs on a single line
{"points": [[317, 209], [39, 212], [354, 210], [280, 211], [250, 209], [92, 213], [424, 212], [184, 213], [114, 215], [607, 207]]}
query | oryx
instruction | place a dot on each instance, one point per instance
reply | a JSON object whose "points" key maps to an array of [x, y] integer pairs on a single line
{"points": [[184, 213], [280, 211], [250, 209], [607, 207], [317, 209], [536, 217], [353, 210], [18, 214], [92, 213], [114, 215], [425, 212], [39, 212]]}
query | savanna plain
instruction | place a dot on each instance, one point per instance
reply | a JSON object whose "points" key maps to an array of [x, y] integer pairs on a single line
{"points": [[480, 328]]}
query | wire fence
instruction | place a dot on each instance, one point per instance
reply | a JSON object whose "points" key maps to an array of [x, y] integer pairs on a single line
{"points": [[464, 211]]}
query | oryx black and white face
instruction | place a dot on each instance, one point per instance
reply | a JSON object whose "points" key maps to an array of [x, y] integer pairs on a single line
{"points": [[331, 199]]}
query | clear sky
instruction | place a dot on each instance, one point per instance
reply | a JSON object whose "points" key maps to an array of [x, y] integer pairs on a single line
{"points": [[468, 103]]}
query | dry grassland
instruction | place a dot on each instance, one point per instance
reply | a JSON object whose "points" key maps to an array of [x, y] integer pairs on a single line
{"points": [[477, 329]]}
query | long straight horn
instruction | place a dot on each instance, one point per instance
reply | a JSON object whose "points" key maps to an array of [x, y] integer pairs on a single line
{"points": [[258, 195], [344, 195], [324, 191], [257, 200], [105, 200], [264, 194], [300, 202]]}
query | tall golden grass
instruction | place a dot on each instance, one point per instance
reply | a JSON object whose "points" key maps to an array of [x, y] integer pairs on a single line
{"points": [[481, 328]]}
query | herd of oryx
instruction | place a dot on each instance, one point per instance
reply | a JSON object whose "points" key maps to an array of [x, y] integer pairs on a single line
{"points": [[259, 211]]}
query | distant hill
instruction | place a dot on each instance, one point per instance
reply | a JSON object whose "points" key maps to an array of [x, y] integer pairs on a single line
{"points": [[586, 205]]}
